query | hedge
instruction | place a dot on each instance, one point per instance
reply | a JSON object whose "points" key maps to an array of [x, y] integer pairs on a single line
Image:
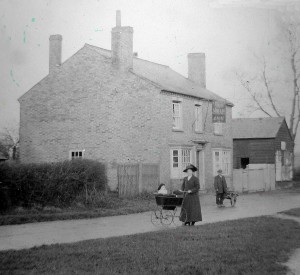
{"points": [[56, 184]]}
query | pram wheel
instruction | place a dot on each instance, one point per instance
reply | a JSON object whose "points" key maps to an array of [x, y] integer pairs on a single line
{"points": [[167, 217], [156, 217]]}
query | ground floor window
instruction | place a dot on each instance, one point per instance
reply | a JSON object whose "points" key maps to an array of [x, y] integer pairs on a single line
{"points": [[180, 159], [76, 154], [222, 160]]}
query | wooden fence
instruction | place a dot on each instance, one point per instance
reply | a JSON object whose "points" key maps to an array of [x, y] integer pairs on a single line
{"points": [[256, 177], [133, 179]]}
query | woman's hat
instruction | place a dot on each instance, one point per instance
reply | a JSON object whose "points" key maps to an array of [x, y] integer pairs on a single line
{"points": [[192, 167], [220, 171]]}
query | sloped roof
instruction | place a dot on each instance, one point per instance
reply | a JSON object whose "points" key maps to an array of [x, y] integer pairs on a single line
{"points": [[256, 127], [166, 78]]}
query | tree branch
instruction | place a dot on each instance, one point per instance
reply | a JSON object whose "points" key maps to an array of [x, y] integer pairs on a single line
{"points": [[246, 85], [268, 88]]}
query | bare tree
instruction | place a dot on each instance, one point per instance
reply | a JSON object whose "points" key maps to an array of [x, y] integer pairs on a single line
{"points": [[9, 142], [260, 87]]}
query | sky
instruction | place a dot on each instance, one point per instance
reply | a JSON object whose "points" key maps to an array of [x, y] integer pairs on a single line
{"points": [[230, 32]]}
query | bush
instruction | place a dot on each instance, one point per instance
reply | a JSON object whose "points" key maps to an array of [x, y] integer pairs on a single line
{"points": [[56, 184]]}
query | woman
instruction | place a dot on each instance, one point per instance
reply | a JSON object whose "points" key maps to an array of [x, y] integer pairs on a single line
{"points": [[191, 202]]}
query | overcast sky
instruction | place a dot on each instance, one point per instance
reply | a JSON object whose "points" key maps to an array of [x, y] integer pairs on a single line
{"points": [[228, 31]]}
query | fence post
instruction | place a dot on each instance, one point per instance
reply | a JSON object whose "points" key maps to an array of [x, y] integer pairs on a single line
{"points": [[140, 177]]}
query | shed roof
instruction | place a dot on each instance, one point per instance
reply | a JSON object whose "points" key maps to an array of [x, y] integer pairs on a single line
{"points": [[243, 128], [166, 78]]}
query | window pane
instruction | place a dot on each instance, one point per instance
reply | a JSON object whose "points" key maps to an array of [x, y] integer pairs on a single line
{"points": [[217, 157], [73, 154], [186, 158], [175, 153], [80, 154], [76, 154], [176, 115]]}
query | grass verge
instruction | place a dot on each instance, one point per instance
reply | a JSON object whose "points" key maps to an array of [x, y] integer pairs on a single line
{"points": [[292, 212], [115, 206], [248, 246]]}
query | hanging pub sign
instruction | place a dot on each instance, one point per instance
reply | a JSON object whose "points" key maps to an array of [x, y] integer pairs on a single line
{"points": [[218, 112]]}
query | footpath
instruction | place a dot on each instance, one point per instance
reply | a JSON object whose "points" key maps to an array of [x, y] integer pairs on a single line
{"points": [[36, 234]]}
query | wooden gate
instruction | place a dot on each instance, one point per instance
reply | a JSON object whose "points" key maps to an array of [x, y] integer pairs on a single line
{"points": [[136, 178]]}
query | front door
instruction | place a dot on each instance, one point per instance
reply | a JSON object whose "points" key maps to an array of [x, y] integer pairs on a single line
{"points": [[200, 166]]}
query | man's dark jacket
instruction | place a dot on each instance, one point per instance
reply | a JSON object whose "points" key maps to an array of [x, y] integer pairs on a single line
{"points": [[220, 184]]}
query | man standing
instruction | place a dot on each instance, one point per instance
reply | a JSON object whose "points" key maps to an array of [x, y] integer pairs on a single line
{"points": [[220, 187]]}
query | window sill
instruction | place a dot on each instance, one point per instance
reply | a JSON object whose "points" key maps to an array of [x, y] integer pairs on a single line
{"points": [[177, 130], [198, 132], [216, 134]]}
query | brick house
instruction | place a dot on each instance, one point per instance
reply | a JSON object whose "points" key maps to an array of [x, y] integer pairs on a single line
{"points": [[115, 107], [263, 141]]}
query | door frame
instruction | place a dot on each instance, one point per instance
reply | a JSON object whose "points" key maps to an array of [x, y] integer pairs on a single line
{"points": [[201, 156]]}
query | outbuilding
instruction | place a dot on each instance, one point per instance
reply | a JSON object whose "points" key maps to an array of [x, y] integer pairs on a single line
{"points": [[263, 141]]}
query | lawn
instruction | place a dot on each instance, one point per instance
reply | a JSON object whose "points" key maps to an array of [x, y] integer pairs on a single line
{"points": [[113, 206], [248, 246], [292, 212]]}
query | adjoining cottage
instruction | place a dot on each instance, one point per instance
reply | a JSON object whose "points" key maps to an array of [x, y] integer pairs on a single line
{"points": [[263, 141], [114, 107]]}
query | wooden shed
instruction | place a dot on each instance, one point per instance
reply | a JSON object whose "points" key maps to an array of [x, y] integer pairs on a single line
{"points": [[263, 141]]}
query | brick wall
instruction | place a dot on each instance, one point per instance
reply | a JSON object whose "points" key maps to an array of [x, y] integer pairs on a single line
{"points": [[114, 116]]}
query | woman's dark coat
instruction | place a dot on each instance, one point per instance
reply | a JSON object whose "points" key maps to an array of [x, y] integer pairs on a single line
{"points": [[191, 202]]}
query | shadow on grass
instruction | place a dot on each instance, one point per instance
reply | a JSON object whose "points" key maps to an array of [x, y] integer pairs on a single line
{"points": [[292, 212], [247, 246]]}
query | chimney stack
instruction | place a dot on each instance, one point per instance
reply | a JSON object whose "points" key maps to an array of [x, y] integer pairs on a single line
{"points": [[55, 42], [118, 18], [196, 68], [122, 45]]}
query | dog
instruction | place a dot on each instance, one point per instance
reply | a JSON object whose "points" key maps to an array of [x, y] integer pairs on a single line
{"points": [[232, 196]]}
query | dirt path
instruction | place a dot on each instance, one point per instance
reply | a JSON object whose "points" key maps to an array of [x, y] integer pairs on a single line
{"points": [[36, 234]]}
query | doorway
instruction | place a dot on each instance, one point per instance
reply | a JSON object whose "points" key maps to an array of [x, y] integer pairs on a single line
{"points": [[201, 168], [244, 162]]}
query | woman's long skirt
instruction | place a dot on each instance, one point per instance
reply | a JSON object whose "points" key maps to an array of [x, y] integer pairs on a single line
{"points": [[191, 204]]}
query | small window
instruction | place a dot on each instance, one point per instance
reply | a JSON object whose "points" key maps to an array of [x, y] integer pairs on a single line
{"points": [[222, 160], [175, 158], [244, 162], [181, 158], [218, 128], [283, 145], [76, 154], [177, 115], [198, 118]]}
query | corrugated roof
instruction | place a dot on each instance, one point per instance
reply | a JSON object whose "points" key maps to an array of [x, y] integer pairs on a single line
{"points": [[256, 127], [166, 78]]}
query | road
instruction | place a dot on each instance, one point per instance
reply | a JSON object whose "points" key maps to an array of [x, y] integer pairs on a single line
{"points": [[45, 233]]}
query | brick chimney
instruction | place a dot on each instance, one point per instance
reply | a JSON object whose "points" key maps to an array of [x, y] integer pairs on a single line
{"points": [[196, 68], [121, 45], [55, 42]]}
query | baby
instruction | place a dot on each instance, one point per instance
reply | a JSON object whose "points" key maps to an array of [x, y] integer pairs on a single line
{"points": [[162, 189]]}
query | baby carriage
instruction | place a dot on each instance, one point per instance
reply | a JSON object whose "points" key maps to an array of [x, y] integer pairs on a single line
{"points": [[168, 210]]}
